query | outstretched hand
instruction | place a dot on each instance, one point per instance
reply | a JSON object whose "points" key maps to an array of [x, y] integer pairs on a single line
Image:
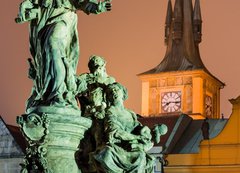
{"points": [[104, 6], [108, 6]]}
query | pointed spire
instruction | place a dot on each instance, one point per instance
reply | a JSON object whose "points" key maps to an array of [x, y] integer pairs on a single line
{"points": [[168, 21], [182, 51], [178, 20], [197, 22], [197, 11]]}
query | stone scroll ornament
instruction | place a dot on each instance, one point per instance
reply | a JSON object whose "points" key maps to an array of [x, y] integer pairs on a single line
{"points": [[52, 124]]}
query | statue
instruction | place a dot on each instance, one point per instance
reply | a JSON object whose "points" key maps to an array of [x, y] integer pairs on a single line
{"points": [[205, 129], [97, 77], [52, 124], [126, 139], [115, 130], [54, 47], [91, 94], [113, 139], [93, 137]]}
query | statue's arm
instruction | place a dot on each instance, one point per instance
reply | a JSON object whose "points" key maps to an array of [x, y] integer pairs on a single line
{"points": [[93, 6], [28, 10], [115, 132]]}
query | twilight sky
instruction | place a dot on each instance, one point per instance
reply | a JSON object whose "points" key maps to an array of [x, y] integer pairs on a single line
{"points": [[131, 38]]}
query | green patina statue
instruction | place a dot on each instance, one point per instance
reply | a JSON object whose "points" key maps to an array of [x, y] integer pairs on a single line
{"points": [[112, 139], [52, 125], [127, 141], [97, 77], [117, 141], [54, 47]]}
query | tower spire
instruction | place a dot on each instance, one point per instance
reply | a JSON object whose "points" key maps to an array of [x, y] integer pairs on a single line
{"points": [[182, 35], [197, 22], [181, 74], [177, 20], [168, 21]]}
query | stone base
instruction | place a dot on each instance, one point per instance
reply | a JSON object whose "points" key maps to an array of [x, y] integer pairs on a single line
{"points": [[53, 136]]}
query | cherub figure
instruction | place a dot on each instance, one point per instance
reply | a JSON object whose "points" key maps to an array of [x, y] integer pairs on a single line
{"points": [[28, 10], [97, 106]]}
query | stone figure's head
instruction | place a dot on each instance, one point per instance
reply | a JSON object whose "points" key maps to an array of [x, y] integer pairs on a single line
{"points": [[96, 95], [96, 63], [158, 131], [116, 92]]}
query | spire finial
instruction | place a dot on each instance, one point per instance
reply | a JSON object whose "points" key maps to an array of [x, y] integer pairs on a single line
{"points": [[197, 22], [178, 20], [168, 21]]}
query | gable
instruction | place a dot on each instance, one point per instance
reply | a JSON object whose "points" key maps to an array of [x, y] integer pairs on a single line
{"points": [[8, 145]]}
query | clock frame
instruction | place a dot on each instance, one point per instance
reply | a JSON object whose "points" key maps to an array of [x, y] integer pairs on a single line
{"points": [[171, 101], [208, 106]]}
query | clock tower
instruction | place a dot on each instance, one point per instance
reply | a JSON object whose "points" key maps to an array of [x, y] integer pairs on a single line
{"points": [[181, 83]]}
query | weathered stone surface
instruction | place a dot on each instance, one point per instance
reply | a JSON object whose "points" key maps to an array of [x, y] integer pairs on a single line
{"points": [[53, 136]]}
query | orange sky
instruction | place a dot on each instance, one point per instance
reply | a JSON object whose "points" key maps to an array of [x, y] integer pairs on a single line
{"points": [[130, 38]]}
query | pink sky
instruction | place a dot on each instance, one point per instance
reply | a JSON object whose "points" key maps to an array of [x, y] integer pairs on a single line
{"points": [[131, 39]]}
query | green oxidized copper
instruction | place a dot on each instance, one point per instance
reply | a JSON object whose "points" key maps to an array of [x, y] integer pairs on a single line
{"points": [[112, 139], [126, 141], [116, 142], [52, 124], [97, 77], [54, 47]]}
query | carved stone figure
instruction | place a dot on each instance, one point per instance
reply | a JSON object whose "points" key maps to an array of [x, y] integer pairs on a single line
{"points": [[127, 140], [52, 124], [158, 131], [54, 47], [205, 129], [97, 106], [94, 137], [97, 77], [114, 140]]}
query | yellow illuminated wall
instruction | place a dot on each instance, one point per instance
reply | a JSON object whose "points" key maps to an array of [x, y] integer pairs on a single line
{"points": [[220, 154]]}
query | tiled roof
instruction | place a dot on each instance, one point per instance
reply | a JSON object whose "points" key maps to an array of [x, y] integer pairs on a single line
{"points": [[191, 138], [184, 134], [170, 121], [17, 135]]}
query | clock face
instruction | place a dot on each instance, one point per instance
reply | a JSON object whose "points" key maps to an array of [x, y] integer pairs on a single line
{"points": [[171, 101], [208, 106]]}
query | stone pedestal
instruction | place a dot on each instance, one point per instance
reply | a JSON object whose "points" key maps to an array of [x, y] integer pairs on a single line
{"points": [[53, 135]]}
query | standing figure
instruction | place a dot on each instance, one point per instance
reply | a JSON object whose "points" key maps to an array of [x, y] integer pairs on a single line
{"points": [[93, 137], [54, 47], [127, 140], [205, 129]]}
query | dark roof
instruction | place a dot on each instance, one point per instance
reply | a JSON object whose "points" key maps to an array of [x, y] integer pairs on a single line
{"points": [[9, 147], [17, 135], [191, 138], [170, 121], [184, 134]]}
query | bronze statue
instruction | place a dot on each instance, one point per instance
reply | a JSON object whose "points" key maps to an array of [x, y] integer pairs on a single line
{"points": [[127, 140], [54, 47]]}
